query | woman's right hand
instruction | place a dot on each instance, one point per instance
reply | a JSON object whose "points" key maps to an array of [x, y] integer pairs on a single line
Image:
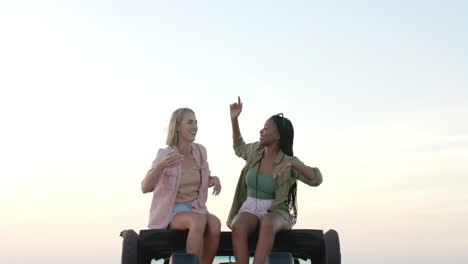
{"points": [[171, 160], [236, 108]]}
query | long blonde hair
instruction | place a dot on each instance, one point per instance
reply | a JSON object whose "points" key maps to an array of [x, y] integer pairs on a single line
{"points": [[176, 119]]}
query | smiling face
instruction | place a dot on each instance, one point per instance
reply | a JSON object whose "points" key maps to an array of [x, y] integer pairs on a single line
{"points": [[269, 133], [188, 128]]}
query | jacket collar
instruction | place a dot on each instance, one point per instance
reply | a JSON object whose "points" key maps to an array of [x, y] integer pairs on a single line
{"points": [[195, 153], [279, 157]]}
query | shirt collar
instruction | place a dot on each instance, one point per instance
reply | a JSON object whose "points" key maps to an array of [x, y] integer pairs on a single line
{"points": [[279, 157], [195, 153]]}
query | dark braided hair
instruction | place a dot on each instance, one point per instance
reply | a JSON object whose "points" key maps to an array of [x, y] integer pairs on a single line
{"points": [[286, 132]]}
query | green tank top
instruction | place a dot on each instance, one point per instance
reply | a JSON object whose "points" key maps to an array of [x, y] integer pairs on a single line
{"points": [[266, 185]]}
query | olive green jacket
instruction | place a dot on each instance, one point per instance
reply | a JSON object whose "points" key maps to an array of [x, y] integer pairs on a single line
{"points": [[252, 153]]}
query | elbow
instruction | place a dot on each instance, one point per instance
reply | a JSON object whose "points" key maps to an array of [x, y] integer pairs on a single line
{"points": [[145, 188], [318, 181], [236, 151], [318, 177], [146, 185]]}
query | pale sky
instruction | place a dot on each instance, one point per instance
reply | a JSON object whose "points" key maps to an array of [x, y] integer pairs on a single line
{"points": [[377, 92]]}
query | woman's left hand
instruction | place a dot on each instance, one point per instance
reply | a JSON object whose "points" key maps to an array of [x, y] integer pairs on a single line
{"points": [[216, 184], [280, 168]]}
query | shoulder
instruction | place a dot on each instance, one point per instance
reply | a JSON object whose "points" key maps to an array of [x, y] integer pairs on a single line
{"points": [[162, 152], [256, 146], [165, 150], [255, 150], [200, 147]]}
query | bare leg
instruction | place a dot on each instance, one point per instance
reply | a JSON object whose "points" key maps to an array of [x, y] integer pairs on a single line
{"points": [[242, 225], [211, 239], [270, 224], [195, 223]]}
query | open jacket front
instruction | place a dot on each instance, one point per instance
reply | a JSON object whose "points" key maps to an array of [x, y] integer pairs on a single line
{"points": [[252, 153], [165, 191]]}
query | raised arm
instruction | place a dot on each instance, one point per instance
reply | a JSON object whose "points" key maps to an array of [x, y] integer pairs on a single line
{"points": [[241, 149], [236, 109]]}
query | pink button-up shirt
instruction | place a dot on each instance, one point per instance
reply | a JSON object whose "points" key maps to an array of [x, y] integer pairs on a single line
{"points": [[165, 191]]}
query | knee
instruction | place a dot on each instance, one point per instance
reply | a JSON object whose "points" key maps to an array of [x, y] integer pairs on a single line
{"points": [[237, 228], [198, 222], [213, 225], [266, 225]]}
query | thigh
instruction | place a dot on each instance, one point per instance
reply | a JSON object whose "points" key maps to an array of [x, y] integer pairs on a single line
{"points": [[245, 221], [276, 221], [183, 220]]}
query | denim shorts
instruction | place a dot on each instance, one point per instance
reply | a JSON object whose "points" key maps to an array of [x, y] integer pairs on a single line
{"points": [[179, 208]]}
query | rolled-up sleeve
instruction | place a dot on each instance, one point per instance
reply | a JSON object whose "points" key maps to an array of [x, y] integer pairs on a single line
{"points": [[316, 181], [243, 150], [161, 154]]}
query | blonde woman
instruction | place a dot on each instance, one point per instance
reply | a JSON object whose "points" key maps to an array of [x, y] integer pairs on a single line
{"points": [[179, 179]]}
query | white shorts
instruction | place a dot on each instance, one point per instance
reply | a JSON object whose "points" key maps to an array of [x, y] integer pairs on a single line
{"points": [[259, 208]]}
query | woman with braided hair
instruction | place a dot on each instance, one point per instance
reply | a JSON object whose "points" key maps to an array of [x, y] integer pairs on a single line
{"points": [[265, 196]]}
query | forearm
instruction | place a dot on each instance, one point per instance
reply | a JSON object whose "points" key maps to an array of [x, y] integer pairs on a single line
{"points": [[151, 178], [307, 171], [236, 135]]}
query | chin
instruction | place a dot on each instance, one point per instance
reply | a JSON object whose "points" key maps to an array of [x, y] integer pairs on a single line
{"points": [[190, 140]]}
